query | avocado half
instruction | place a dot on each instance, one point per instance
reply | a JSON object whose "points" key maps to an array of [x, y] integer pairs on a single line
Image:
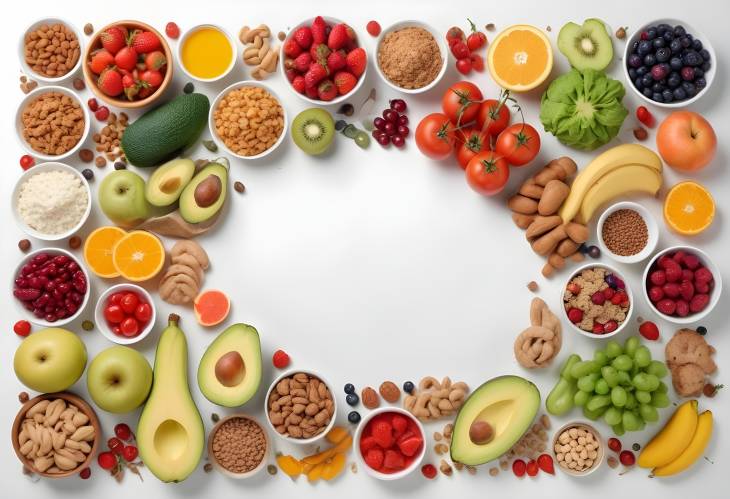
{"points": [[168, 181], [508, 404], [229, 374], [204, 195]]}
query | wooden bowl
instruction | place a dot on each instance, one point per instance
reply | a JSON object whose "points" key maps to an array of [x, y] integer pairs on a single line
{"points": [[90, 77], [69, 398], [219, 466]]}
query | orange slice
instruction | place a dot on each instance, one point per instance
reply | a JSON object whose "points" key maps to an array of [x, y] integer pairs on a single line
{"points": [[139, 255], [211, 307], [520, 58], [689, 208], [98, 250]]}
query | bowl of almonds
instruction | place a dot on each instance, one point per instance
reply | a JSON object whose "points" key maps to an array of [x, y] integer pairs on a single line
{"points": [[56, 435], [50, 50]]}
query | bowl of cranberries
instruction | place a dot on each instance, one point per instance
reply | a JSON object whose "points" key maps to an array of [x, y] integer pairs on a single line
{"points": [[682, 284], [52, 285], [125, 313], [669, 63]]}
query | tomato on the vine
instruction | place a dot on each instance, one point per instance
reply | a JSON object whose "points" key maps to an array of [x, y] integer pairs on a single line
{"points": [[454, 34], [493, 116], [487, 173], [476, 38], [461, 102], [518, 144], [464, 65], [472, 142], [435, 136]]}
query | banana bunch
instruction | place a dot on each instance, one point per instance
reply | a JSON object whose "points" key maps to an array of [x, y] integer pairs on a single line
{"points": [[680, 443], [618, 171]]}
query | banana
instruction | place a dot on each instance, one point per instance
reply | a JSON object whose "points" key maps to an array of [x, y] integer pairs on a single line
{"points": [[673, 439], [616, 157], [693, 452], [621, 181]]}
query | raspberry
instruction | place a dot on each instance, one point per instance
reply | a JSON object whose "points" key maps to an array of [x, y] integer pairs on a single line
{"points": [[671, 290], [698, 303], [172, 30], [666, 306], [575, 315], [374, 458], [429, 471], [22, 328], [691, 262], [394, 460], [400, 424], [410, 446], [373, 28], [367, 443], [658, 277], [281, 359]]}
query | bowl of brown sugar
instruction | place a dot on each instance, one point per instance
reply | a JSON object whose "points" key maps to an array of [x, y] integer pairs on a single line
{"points": [[238, 446], [627, 232], [411, 57]]}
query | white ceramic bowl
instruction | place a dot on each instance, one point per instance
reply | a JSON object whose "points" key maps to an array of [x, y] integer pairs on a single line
{"points": [[651, 226], [709, 76], [240, 84], [628, 292], [601, 449], [301, 441], [219, 466], [184, 37], [45, 79], [388, 476], [104, 326], [316, 102], [47, 167], [32, 318], [440, 40], [19, 122], [714, 295]]}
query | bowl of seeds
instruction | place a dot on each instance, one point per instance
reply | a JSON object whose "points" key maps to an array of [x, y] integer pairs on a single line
{"points": [[627, 232], [238, 446]]}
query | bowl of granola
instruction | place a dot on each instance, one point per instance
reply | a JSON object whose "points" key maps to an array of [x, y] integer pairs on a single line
{"points": [[597, 301]]}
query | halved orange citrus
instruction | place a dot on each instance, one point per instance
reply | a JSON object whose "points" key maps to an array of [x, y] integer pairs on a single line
{"points": [[139, 255], [98, 250], [520, 58], [211, 307], [689, 208]]}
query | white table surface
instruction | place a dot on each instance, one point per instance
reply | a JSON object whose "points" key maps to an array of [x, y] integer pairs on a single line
{"points": [[375, 264]]}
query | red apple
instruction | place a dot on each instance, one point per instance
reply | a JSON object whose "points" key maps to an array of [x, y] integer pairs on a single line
{"points": [[686, 141]]}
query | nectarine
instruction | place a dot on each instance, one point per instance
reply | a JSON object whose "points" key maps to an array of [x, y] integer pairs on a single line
{"points": [[686, 141]]}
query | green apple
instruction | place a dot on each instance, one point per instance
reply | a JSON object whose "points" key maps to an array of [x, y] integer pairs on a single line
{"points": [[119, 379], [122, 199], [50, 360]]}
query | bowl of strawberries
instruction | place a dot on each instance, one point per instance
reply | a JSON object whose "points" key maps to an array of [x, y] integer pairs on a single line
{"points": [[322, 60], [128, 64]]}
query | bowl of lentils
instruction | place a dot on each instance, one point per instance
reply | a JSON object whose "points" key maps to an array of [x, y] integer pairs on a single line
{"points": [[669, 63], [627, 232]]}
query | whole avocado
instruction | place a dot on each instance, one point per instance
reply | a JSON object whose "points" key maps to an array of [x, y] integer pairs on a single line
{"points": [[162, 133]]}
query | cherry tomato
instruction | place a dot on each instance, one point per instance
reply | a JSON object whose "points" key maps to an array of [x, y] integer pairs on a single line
{"points": [[460, 50], [435, 136], [129, 303], [454, 34], [117, 330], [116, 298], [463, 66], [493, 116], [472, 143], [487, 173], [114, 314], [477, 63], [476, 39], [26, 161], [143, 313], [518, 144], [461, 102], [129, 327], [645, 116]]}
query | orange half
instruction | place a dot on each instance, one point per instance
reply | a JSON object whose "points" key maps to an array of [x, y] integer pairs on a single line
{"points": [[689, 208], [98, 250], [520, 58], [139, 256]]}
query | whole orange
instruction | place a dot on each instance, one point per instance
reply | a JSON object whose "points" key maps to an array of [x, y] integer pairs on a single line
{"points": [[686, 141]]}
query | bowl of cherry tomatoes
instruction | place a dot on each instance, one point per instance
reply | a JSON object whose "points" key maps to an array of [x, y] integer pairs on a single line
{"points": [[125, 313]]}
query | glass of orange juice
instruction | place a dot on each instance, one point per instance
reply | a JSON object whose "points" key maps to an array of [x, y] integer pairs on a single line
{"points": [[206, 52]]}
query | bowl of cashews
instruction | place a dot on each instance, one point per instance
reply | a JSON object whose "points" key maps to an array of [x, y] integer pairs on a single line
{"points": [[258, 51]]}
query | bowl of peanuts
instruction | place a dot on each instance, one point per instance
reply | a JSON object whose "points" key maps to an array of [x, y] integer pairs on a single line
{"points": [[50, 50], [300, 407], [238, 446], [578, 448], [248, 120], [56, 435]]}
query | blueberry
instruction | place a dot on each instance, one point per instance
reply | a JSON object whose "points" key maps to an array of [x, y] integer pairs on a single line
{"points": [[705, 54], [668, 96], [668, 36], [706, 66], [642, 71], [352, 399], [690, 37], [651, 33], [700, 83], [658, 87], [656, 96], [635, 60], [649, 59], [88, 174], [697, 45], [632, 73], [675, 63], [689, 88], [699, 73], [679, 30], [353, 417], [659, 43], [647, 92], [663, 54], [675, 46], [594, 251], [644, 47], [662, 28], [349, 388], [679, 94], [634, 46], [647, 80], [688, 73], [692, 58], [638, 83], [702, 330], [408, 387], [686, 42], [674, 80]]}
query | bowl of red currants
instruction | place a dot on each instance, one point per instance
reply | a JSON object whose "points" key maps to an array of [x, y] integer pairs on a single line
{"points": [[125, 313], [51, 285]]}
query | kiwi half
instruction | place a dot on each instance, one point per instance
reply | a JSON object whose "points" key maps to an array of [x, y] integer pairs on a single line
{"points": [[588, 46], [313, 130]]}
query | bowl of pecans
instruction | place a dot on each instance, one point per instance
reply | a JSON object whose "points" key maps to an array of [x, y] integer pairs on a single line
{"points": [[238, 446], [50, 50], [247, 120]]}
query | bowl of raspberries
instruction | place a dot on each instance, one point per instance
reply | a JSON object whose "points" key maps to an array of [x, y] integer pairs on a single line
{"points": [[322, 60]]}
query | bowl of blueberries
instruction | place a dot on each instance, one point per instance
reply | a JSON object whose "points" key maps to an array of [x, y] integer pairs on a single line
{"points": [[669, 63]]}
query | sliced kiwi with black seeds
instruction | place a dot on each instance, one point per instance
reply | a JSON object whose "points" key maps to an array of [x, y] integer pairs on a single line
{"points": [[313, 130], [586, 46]]}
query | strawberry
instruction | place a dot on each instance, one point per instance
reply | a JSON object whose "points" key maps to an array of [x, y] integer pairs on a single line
{"points": [[145, 92], [327, 90], [303, 37], [367, 443], [339, 36], [394, 460], [314, 75], [336, 60], [319, 30], [311, 92], [320, 52], [374, 458], [110, 82], [344, 82], [131, 89], [152, 77], [292, 48], [400, 424], [145, 42], [128, 80], [302, 62], [410, 446], [382, 433], [357, 61], [112, 39], [298, 83], [291, 74], [126, 58], [100, 60], [649, 330], [155, 60]]}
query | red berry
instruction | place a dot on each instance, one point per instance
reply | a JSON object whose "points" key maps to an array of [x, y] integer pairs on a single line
{"points": [[573, 287], [645, 116], [610, 326], [172, 30], [22, 328], [545, 462], [598, 297], [532, 468], [373, 28], [575, 315], [609, 293], [93, 104], [649, 330], [519, 467], [26, 161], [129, 327], [102, 113], [614, 444], [123, 431], [130, 453], [107, 460], [428, 470], [115, 445], [627, 458], [281, 359], [598, 328], [85, 473]]}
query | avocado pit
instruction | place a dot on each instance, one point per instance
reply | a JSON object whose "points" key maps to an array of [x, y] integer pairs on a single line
{"points": [[208, 191], [230, 369], [481, 432]]}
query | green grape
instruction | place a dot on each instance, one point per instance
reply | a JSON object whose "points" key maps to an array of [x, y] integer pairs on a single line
{"points": [[642, 356], [613, 349], [662, 388], [618, 429], [641, 382], [649, 413], [642, 396], [610, 374], [601, 387], [595, 414], [630, 401], [598, 401], [618, 396], [657, 368], [630, 346], [588, 383], [659, 399], [584, 368], [623, 363], [613, 416], [652, 381], [631, 421], [600, 358], [581, 398]]}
